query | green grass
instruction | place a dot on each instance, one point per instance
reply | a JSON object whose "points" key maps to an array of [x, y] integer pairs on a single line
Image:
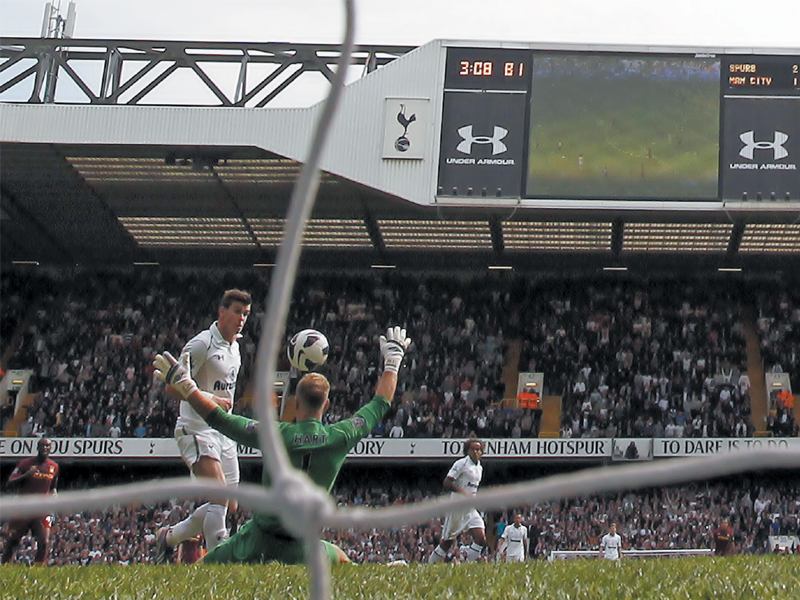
{"points": [[656, 138], [706, 578]]}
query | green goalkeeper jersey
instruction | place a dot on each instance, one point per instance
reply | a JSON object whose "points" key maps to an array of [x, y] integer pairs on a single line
{"points": [[318, 450]]}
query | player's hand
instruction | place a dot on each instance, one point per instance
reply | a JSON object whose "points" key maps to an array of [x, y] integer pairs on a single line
{"points": [[393, 348], [176, 373]]}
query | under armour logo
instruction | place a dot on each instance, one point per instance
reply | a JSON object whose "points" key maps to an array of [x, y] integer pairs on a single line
{"points": [[498, 147], [778, 151]]}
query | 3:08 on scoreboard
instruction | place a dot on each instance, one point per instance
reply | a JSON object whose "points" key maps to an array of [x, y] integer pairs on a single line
{"points": [[487, 68]]}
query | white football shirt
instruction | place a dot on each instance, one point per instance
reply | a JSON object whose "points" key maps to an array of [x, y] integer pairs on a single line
{"points": [[516, 539], [611, 545], [215, 368], [467, 475]]}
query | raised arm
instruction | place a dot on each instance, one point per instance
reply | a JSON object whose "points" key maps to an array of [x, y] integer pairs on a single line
{"points": [[177, 374], [393, 348]]}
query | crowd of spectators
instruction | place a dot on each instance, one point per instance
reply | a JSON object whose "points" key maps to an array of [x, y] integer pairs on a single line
{"points": [[20, 292], [674, 517], [670, 518], [91, 342], [641, 358], [779, 334], [630, 357]]}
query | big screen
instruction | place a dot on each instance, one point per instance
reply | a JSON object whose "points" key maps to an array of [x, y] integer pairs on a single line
{"points": [[623, 127], [537, 124]]}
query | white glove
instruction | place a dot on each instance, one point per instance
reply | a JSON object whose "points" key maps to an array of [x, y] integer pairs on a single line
{"points": [[393, 347], [178, 374]]}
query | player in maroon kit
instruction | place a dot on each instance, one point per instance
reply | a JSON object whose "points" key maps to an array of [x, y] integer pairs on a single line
{"points": [[36, 475], [723, 539]]}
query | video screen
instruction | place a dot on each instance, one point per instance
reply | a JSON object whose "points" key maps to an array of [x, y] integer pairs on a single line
{"points": [[624, 127]]}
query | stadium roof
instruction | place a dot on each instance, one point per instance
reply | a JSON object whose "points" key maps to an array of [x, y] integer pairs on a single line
{"points": [[104, 183]]}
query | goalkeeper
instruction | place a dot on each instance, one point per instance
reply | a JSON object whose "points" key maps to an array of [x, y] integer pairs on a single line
{"points": [[317, 449]]}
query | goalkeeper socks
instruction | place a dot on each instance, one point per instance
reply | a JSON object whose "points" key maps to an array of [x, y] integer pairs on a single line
{"points": [[437, 555], [214, 526], [474, 551], [190, 527]]}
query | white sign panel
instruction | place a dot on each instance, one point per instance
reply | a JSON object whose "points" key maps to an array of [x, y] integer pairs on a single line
{"points": [[666, 448], [368, 448], [92, 448], [410, 448], [407, 127]]}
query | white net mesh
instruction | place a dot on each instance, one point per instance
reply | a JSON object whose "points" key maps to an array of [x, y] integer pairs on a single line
{"points": [[306, 509]]}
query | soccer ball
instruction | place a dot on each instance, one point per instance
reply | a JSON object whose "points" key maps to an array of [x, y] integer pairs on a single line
{"points": [[308, 349]]}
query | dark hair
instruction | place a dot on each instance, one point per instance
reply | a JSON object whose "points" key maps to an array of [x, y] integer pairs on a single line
{"points": [[231, 296], [312, 390]]}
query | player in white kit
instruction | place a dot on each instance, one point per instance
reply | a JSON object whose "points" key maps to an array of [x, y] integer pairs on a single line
{"points": [[214, 358], [463, 478], [514, 540], [611, 544]]}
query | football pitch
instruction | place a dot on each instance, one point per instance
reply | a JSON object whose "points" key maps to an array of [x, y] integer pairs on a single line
{"points": [[690, 578], [624, 139]]}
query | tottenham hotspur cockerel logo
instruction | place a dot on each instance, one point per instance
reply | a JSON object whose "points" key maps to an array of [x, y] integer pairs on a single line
{"points": [[402, 144]]}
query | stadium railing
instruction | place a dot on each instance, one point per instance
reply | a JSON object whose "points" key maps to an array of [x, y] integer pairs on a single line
{"points": [[632, 553]]}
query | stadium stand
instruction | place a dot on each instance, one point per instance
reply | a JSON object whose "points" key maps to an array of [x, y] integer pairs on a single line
{"points": [[760, 508], [625, 357]]}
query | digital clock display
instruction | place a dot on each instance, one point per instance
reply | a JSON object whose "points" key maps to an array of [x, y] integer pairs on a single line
{"points": [[488, 69]]}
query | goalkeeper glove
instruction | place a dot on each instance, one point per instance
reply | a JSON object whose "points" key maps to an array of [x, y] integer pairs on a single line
{"points": [[176, 373], [393, 347]]}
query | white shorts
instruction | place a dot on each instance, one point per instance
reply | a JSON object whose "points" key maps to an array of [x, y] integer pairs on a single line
{"points": [[457, 523], [515, 557], [194, 444]]}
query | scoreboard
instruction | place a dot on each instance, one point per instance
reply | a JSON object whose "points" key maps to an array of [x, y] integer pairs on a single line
{"points": [[773, 75], [591, 125]]}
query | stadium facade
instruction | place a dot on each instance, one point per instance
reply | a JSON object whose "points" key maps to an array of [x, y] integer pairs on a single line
{"points": [[421, 161]]}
